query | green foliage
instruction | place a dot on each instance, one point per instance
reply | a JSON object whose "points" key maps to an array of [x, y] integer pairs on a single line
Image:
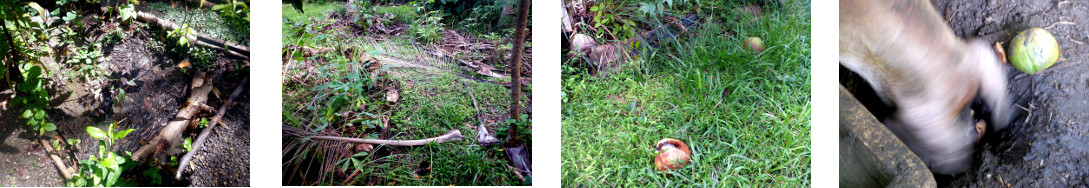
{"points": [[235, 10], [128, 13], [24, 35], [187, 144], [119, 96], [86, 61], [488, 16], [428, 30], [104, 169], [203, 123], [523, 122], [354, 161], [116, 35], [615, 22], [153, 174], [33, 98], [182, 35], [402, 13]]}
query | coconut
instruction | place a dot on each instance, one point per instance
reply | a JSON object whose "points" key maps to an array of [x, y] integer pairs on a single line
{"points": [[1033, 50], [754, 44], [672, 154]]}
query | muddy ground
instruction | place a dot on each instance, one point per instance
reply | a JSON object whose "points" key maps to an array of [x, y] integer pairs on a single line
{"points": [[159, 91], [1046, 145]]}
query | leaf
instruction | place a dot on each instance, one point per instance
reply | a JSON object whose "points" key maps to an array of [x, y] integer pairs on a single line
{"points": [[41, 11], [358, 165], [39, 114], [360, 154], [69, 16], [96, 133], [188, 144], [109, 161], [121, 134], [220, 7], [50, 127], [28, 113]]}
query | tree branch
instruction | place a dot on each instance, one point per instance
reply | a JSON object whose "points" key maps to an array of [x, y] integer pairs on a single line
{"points": [[207, 131]]}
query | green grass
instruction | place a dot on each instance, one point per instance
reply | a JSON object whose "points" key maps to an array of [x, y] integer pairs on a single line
{"points": [[438, 102], [432, 103], [756, 136], [204, 21], [312, 10]]}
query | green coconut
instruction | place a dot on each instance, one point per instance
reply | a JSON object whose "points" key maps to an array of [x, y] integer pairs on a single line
{"points": [[1033, 50]]}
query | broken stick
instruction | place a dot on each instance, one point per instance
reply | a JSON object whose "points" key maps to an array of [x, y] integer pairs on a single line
{"points": [[482, 135], [207, 131], [170, 136], [452, 135], [56, 160]]}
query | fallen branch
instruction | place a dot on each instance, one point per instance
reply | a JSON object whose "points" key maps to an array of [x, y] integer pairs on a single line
{"points": [[56, 160], [482, 135], [452, 135], [170, 136], [207, 131], [200, 39]]}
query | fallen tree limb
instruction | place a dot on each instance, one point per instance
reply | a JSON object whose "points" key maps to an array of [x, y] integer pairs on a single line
{"points": [[56, 160], [452, 135], [170, 136], [200, 39], [482, 135], [207, 131]]}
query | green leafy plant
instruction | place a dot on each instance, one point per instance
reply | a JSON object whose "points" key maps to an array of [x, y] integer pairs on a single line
{"points": [[115, 36], [34, 99], [153, 174], [203, 123], [187, 144], [105, 168], [128, 13], [86, 60], [429, 28], [523, 122], [119, 97], [173, 161], [182, 35], [234, 10]]}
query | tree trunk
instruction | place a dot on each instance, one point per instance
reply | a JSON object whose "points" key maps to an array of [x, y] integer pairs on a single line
{"points": [[516, 72]]}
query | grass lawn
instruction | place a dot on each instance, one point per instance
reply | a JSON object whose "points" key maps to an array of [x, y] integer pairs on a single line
{"points": [[745, 116], [431, 103]]}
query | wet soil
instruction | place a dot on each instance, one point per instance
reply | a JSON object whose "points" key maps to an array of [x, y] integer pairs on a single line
{"points": [[1046, 145], [159, 88]]}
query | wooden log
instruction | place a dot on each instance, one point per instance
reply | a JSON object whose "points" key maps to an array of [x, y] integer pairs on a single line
{"points": [[56, 160], [170, 136], [207, 131], [199, 39]]}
